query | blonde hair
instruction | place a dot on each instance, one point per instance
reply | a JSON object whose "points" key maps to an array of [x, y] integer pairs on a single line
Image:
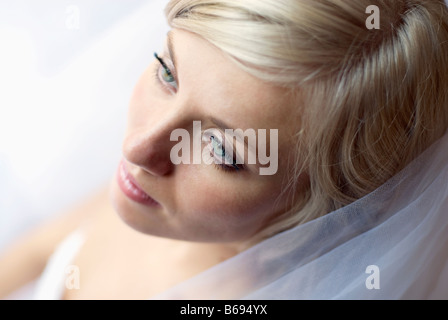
{"points": [[373, 99]]}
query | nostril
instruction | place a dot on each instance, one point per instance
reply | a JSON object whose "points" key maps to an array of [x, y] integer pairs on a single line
{"points": [[157, 164]]}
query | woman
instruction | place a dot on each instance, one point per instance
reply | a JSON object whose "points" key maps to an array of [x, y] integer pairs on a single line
{"points": [[347, 213]]}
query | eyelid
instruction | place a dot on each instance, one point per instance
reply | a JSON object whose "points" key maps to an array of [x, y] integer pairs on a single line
{"points": [[162, 62], [170, 70], [221, 138]]}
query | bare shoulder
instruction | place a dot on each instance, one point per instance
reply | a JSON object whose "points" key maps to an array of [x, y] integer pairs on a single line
{"points": [[26, 258]]}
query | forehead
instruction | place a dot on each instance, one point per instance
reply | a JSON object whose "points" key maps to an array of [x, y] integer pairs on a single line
{"points": [[215, 85]]}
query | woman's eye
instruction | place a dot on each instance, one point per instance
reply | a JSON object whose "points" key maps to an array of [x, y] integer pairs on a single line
{"points": [[165, 76], [217, 147], [224, 160]]}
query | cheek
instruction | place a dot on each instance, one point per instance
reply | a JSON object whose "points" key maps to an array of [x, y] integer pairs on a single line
{"points": [[236, 207]]}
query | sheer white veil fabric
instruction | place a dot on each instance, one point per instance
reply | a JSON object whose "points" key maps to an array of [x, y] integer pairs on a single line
{"points": [[391, 244]]}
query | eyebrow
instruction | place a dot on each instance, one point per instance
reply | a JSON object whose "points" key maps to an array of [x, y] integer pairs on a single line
{"points": [[171, 52], [221, 124]]}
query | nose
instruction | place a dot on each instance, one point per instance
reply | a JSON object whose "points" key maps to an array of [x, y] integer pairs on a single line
{"points": [[149, 148]]}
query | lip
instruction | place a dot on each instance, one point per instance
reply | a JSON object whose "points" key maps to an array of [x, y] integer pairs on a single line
{"points": [[131, 189]]}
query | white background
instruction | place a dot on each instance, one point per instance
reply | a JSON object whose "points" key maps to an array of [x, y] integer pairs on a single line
{"points": [[67, 70]]}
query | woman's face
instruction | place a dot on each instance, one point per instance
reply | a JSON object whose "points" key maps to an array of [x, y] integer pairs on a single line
{"points": [[201, 202]]}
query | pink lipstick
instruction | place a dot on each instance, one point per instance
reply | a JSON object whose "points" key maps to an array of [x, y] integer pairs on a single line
{"points": [[130, 188]]}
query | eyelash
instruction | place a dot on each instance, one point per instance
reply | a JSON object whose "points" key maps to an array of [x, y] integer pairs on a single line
{"points": [[165, 84], [225, 167]]}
